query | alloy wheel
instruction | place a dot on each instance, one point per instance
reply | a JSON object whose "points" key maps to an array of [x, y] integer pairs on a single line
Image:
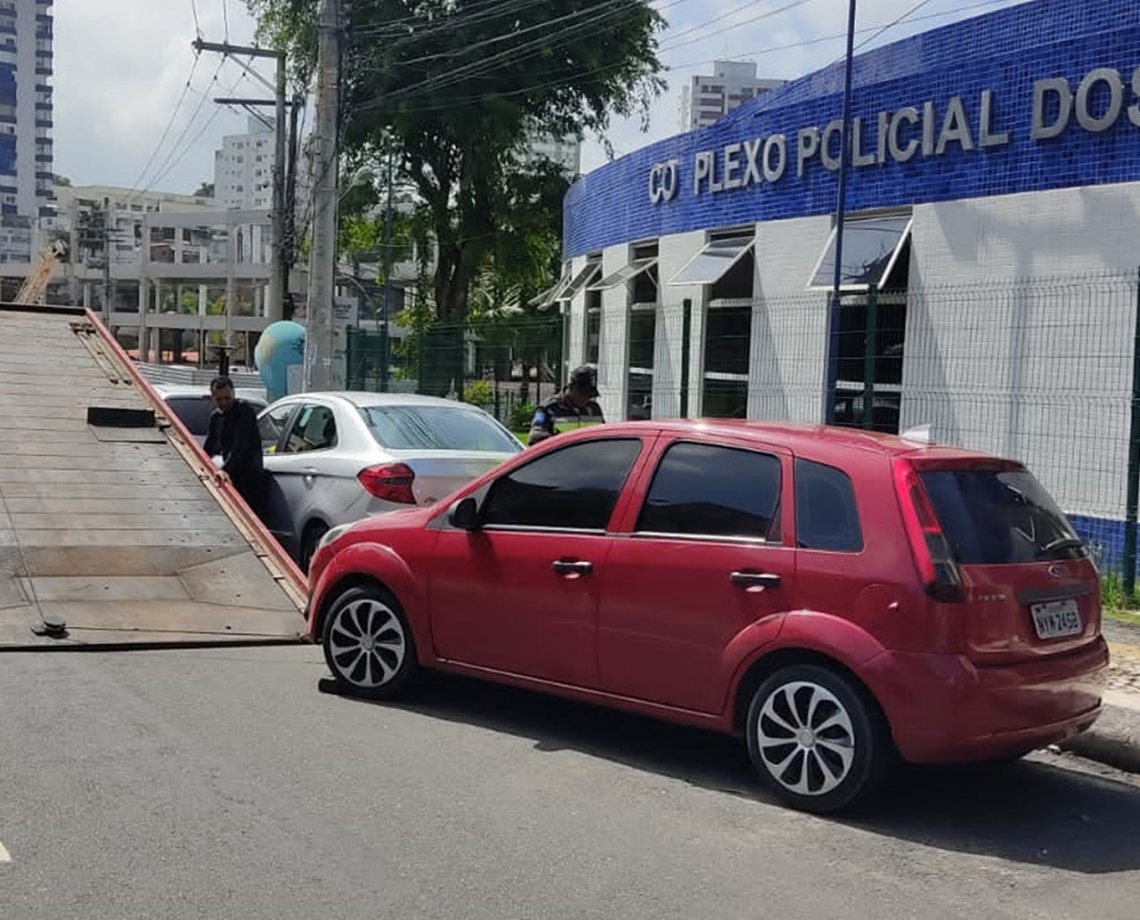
{"points": [[805, 738]]}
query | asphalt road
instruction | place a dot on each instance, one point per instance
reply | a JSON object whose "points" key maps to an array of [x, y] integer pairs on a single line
{"points": [[219, 784]]}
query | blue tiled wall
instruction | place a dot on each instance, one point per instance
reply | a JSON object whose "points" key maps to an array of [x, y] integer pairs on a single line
{"points": [[1006, 52]]}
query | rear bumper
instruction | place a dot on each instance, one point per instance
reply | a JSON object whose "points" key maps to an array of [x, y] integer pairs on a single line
{"points": [[944, 709]]}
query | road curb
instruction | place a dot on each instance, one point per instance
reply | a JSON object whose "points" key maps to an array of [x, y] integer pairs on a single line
{"points": [[1114, 740]]}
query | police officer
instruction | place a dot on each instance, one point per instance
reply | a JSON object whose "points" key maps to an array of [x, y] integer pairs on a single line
{"points": [[575, 404]]}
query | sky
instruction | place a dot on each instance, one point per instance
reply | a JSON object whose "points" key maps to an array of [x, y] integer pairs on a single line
{"points": [[120, 78]]}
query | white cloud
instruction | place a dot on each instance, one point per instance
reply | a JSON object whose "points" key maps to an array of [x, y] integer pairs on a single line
{"points": [[118, 76]]}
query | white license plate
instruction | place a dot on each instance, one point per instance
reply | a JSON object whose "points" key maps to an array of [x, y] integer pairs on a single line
{"points": [[1054, 619]]}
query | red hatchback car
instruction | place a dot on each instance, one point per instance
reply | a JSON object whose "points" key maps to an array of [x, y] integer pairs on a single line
{"points": [[834, 596]]}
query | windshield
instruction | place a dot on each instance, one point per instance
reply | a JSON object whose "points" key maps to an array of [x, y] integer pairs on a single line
{"points": [[993, 517], [437, 428]]}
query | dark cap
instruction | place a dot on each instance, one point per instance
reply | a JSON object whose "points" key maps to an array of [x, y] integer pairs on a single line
{"points": [[582, 379]]}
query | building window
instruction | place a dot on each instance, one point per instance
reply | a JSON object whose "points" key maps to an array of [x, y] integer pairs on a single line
{"points": [[868, 392], [871, 247], [642, 347]]}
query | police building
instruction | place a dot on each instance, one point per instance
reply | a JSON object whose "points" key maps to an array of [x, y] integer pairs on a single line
{"points": [[990, 251]]}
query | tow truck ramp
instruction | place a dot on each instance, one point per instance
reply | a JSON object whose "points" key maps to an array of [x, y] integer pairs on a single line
{"points": [[113, 531]]}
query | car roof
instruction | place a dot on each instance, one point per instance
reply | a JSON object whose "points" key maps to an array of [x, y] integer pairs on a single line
{"points": [[798, 437], [365, 400], [166, 390]]}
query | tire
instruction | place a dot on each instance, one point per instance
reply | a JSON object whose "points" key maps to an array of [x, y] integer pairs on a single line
{"points": [[309, 542], [368, 645], [809, 769]]}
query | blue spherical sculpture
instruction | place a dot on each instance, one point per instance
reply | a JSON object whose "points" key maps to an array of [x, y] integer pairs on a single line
{"points": [[281, 346]]}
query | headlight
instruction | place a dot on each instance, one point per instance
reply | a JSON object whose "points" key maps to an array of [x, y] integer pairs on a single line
{"points": [[333, 534]]}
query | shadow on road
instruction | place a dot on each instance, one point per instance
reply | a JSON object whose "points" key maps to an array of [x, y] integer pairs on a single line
{"points": [[1027, 812]]}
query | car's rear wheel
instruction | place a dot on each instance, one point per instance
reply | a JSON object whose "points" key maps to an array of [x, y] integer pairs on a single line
{"points": [[816, 740], [368, 645]]}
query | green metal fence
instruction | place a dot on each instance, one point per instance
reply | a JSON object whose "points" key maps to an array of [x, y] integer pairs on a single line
{"points": [[505, 366]]}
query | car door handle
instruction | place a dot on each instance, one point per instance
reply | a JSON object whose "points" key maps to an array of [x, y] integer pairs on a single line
{"points": [[572, 567], [755, 579]]}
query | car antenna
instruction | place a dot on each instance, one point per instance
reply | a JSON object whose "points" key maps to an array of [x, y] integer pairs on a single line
{"points": [[919, 434]]}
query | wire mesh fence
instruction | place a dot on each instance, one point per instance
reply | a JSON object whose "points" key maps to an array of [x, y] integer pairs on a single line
{"points": [[1040, 371], [505, 366]]}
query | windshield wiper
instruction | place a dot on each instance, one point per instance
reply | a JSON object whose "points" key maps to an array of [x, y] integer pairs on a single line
{"points": [[1059, 544]]}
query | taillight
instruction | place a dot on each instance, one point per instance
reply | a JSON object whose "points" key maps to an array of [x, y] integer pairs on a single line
{"points": [[391, 482], [936, 566]]}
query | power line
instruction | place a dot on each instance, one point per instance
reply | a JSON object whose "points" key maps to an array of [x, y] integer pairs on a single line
{"points": [[771, 49], [169, 123], [181, 136], [194, 10]]}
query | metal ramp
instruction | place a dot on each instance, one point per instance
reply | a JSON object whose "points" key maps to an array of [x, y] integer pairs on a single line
{"points": [[110, 520]]}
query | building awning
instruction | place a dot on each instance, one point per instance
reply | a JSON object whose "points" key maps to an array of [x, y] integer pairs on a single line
{"points": [[871, 247], [624, 274], [713, 262], [568, 286]]}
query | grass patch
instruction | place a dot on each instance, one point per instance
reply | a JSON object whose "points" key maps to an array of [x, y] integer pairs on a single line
{"points": [[1114, 604]]}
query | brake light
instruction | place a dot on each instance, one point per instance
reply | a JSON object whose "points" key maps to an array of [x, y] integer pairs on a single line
{"points": [[391, 482], [937, 569]]}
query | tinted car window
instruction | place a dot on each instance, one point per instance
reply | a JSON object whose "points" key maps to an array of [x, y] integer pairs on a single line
{"points": [[194, 412], [437, 428], [992, 517], [576, 487], [705, 490], [827, 516]]}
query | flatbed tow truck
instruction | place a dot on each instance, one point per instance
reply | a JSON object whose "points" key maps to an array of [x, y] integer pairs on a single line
{"points": [[113, 530]]}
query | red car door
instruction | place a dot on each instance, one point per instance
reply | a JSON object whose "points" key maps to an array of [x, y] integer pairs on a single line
{"points": [[520, 595], [696, 582]]}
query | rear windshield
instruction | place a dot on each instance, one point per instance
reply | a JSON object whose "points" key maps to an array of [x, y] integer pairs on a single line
{"points": [[194, 412], [999, 518], [437, 428]]}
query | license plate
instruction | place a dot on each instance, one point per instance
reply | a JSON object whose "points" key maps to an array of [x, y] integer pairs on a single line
{"points": [[1054, 619]]}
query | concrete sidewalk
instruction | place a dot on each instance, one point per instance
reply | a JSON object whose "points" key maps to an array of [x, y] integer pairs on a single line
{"points": [[1115, 738]]}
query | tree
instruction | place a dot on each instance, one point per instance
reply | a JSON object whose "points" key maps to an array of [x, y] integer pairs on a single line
{"points": [[456, 88], [61, 181], [205, 190]]}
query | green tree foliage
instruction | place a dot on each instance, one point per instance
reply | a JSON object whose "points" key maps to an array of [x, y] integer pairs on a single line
{"points": [[457, 88]]}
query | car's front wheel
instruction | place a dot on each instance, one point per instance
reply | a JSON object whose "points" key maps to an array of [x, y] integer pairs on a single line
{"points": [[816, 740], [368, 645]]}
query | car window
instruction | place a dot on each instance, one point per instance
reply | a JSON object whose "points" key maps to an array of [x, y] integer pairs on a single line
{"points": [[313, 429], [437, 428], [992, 517], [827, 516], [193, 411], [709, 490], [271, 424], [573, 488]]}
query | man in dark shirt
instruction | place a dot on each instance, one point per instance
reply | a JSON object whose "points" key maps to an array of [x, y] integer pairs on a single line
{"points": [[575, 406], [234, 442]]}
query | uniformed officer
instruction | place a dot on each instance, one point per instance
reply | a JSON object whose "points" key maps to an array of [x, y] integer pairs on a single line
{"points": [[573, 407]]}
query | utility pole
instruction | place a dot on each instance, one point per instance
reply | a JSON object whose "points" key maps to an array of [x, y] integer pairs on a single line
{"points": [[107, 306], [278, 280], [322, 258]]}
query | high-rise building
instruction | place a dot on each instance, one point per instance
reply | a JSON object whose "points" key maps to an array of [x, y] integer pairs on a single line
{"points": [[25, 124], [708, 97], [565, 151], [243, 168]]}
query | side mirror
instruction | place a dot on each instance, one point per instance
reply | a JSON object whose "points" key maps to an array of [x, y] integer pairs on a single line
{"points": [[464, 514]]}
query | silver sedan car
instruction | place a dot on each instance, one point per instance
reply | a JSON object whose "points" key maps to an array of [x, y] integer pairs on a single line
{"points": [[335, 458]]}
